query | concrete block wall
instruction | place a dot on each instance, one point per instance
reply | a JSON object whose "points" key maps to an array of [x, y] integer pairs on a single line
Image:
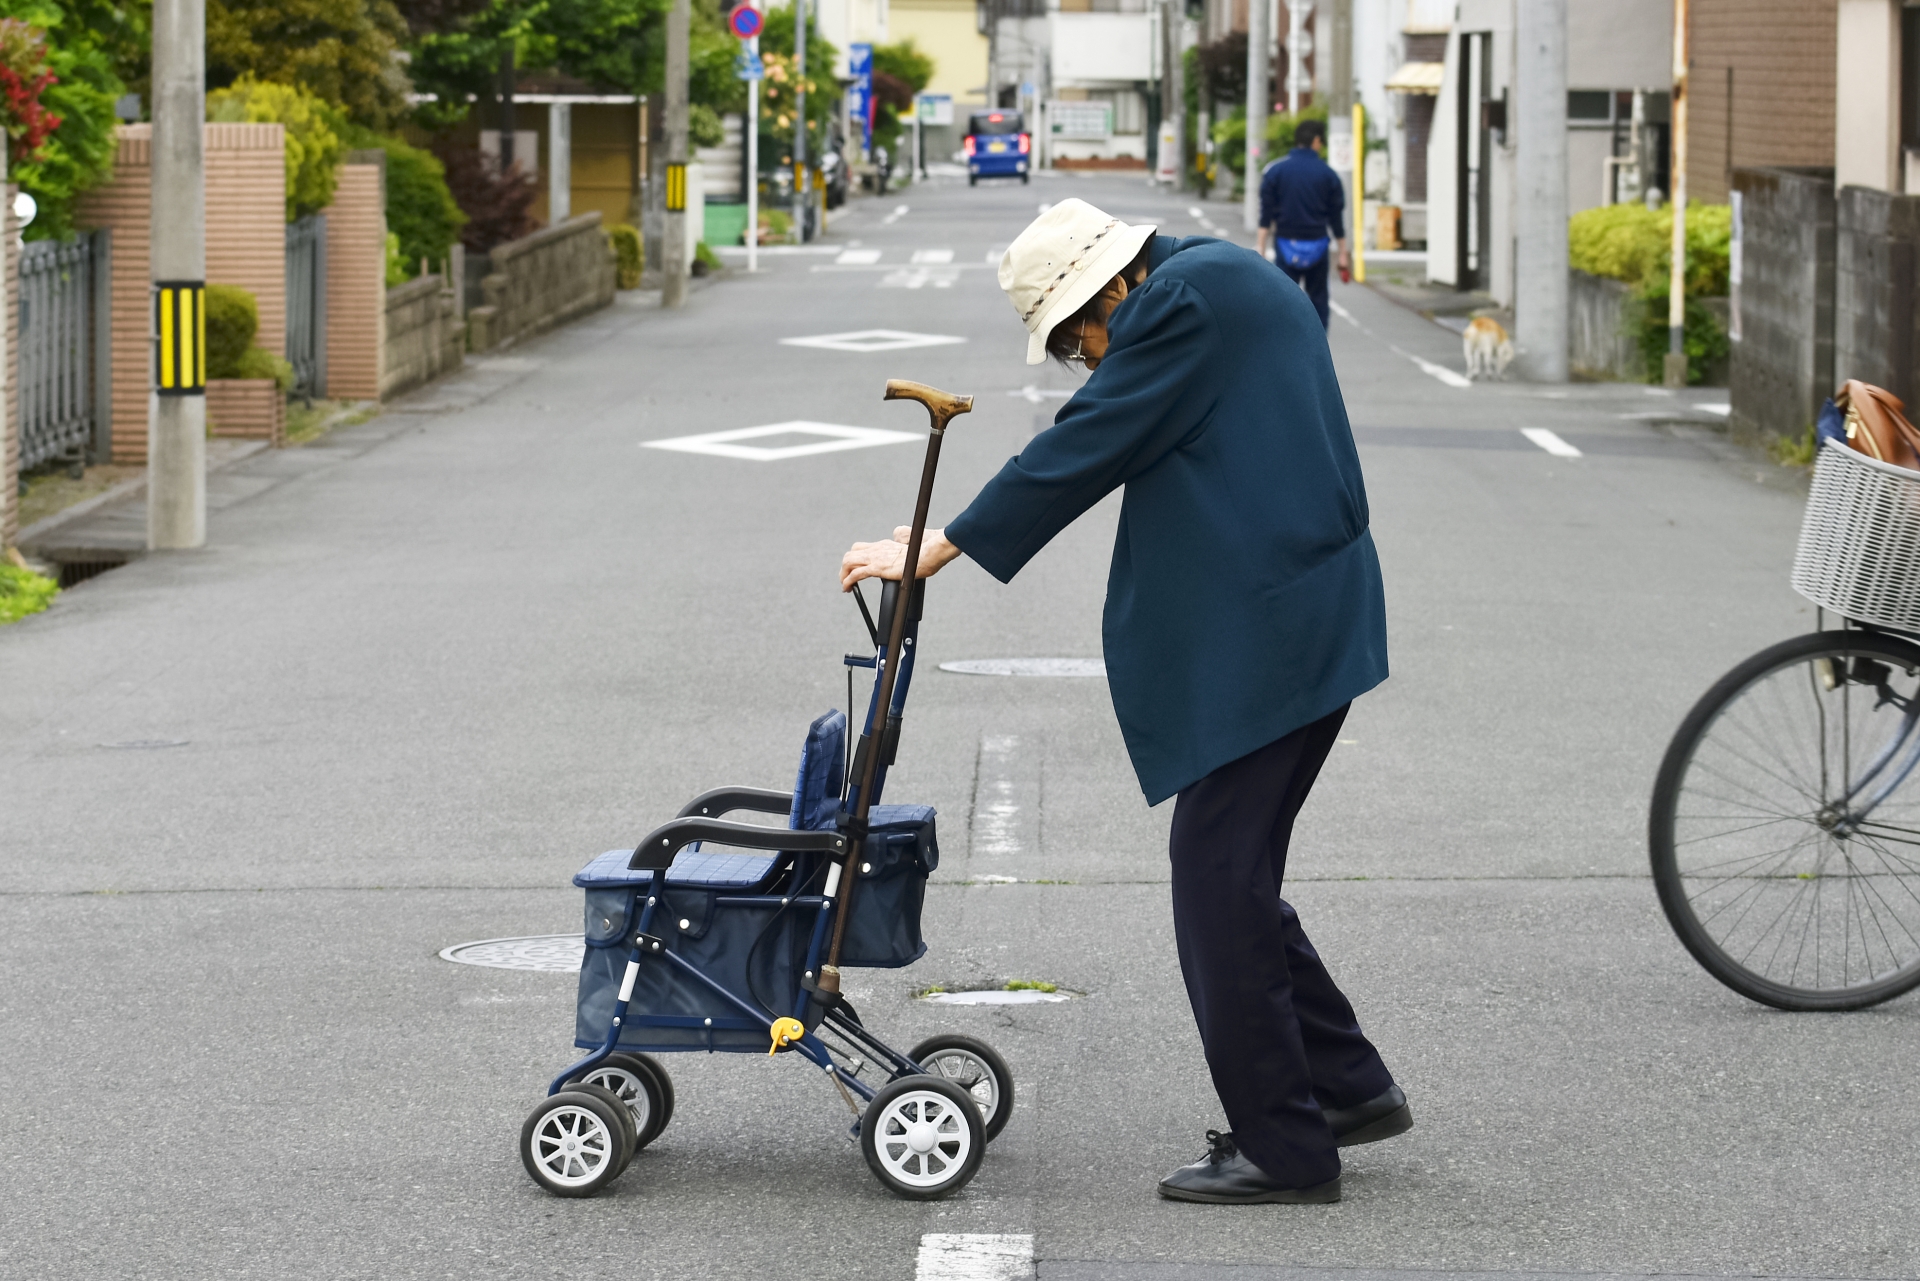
{"points": [[1601, 343], [1876, 253], [246, 246], [1783, 306], [544, 280], [425, 335], [357, 279]]}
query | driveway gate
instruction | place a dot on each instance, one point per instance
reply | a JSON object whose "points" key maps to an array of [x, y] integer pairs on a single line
{"points": [[307, 304], [56, 351]]}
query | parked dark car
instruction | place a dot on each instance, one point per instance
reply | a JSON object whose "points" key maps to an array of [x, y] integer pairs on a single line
{"points": [[997, 146]]}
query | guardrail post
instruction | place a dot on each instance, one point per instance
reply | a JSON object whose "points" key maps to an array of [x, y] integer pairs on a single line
{"points": [[102, 369]]}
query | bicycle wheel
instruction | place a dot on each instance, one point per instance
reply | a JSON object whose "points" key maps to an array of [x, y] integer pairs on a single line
{"points": [[1785, 829]]}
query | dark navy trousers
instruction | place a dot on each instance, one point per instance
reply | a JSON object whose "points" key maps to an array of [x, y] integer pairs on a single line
{"points": [[1280, 1038], [1314, 280]]}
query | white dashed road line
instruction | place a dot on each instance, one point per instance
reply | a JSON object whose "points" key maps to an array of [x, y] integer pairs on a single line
{"points": [[899, 212], [1432, 370], [1550, 442], [858, 257], [929, 256], [974, 1256]]}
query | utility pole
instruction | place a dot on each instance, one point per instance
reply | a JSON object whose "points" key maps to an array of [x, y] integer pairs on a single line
{"points": [[799, 121], [1297, 11], [1676, 362], [1537, 120], [1343, 146], [1259, 100], [1173, 97], [177, 414], [675, 244]]}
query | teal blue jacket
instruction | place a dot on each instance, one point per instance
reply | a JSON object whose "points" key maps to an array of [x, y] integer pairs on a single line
{"points": [[1245, 597]]}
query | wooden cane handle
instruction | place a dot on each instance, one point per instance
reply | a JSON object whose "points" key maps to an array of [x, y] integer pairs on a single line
{"points": [[944, 406]]}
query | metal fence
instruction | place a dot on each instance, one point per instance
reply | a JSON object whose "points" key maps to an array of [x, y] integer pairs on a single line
{"points": [[56, 351], [307, 304]]}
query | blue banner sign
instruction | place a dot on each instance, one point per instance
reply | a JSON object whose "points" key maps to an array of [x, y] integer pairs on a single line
{"points": [[860, 90]]}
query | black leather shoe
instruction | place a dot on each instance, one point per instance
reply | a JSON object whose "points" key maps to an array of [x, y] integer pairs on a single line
{"points": [[1372, 1121], [1224, 1177]]}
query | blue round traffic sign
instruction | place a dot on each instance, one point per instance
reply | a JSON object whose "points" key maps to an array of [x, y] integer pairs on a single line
{"points": [[745, 20]]}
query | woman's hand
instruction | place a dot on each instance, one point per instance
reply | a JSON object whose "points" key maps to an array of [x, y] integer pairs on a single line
{"points": [[889, 559]]}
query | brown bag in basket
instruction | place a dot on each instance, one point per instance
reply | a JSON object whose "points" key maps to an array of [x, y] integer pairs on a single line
{"points": [[1877, 425]]}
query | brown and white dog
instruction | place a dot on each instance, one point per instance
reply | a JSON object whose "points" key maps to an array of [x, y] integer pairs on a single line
{"points": [[1488, 348]]}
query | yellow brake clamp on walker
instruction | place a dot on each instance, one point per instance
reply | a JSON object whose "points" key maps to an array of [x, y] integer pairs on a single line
{"points": [[785, 1033]]}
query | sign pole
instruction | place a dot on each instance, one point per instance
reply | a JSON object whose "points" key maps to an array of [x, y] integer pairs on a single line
{"points": [[1359, 193], [753, 161]]}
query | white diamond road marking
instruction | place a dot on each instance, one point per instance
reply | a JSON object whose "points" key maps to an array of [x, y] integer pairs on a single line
{"points": [[725, 444], [1550, 442], [974, 1256], [899, 212], [924, 257], [558, 953], [920, 278], [1027, 667], [870, 340], [858, 258]]}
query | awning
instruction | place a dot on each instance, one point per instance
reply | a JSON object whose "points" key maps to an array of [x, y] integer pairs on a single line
{"points": [[1417, 77]]}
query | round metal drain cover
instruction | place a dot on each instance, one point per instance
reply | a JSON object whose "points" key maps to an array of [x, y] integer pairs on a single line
{"points": [[559, 953], [1027, 667]]}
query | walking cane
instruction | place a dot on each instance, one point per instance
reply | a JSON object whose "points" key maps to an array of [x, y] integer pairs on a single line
{"points": [[942, 407]]}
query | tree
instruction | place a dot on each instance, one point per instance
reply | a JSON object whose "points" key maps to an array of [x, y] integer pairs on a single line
{"points": [[777, 91], [616, 43], [900, 71], [314, 148], [342, 51], [78, 88], [421, 210]]}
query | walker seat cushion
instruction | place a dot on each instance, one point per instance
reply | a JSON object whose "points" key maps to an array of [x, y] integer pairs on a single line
{"points": [[696, 867]]}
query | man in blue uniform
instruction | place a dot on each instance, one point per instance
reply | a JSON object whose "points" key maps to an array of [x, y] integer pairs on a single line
{"points": [[1303, 208], [1244, 614]]}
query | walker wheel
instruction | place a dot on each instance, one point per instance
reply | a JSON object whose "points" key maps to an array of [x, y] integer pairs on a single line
{"points": [[573, 1143], [629, 1125], [643, 1086], [923, 1137], [975, 1067]]}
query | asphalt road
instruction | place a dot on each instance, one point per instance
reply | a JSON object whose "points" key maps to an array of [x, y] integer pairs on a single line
{"points": [[429, 666]]}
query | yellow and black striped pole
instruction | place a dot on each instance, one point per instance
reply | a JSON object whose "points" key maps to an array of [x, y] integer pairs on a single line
{"points": [[676, 188], [180, 335]]}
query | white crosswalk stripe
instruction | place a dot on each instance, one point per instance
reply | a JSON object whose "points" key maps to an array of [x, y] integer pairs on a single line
{"points": [[932, 256], [975, 1256]]}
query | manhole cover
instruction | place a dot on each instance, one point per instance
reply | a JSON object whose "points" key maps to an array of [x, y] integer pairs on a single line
{"points": [[559, 953], [1027, 667], [996, 997]]}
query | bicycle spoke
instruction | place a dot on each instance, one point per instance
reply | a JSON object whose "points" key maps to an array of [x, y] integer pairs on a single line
{"points": [[1735, 831]]}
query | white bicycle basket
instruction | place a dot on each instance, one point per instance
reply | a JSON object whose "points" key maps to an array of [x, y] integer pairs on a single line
{"points": [[1859, 552]]}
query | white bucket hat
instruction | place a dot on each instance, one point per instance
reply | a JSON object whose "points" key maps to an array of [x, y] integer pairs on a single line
{"points": [[1063, 258]]}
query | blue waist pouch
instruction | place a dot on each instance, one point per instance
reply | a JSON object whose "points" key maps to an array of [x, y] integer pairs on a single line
{"points": [[1302, 254]]}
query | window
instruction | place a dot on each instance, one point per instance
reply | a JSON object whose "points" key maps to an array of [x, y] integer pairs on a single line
{"points": [[996, 123], [1590, 107], [1129, 109]]}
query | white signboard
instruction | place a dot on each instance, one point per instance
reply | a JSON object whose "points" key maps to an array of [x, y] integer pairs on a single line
{"points": [[936, 108], [1080, 119]]}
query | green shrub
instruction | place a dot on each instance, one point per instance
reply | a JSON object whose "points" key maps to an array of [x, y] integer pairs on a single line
{"points": [[703, 126], [1230, 136], [258, 362], [398, 268], [233, 318], [75, 44], [705, 256], [314, 148], [23, 592], [630, 252], [1701, 337], [1633, 243]]}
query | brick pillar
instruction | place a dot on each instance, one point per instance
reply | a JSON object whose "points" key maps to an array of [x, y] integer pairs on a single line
{"points": [[357, 279]]}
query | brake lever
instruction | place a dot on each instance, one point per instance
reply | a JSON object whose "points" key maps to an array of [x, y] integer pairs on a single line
{"points": [[866, 616]]}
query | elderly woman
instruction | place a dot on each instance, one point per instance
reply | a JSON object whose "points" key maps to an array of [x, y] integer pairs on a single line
{"points": [[1244, 615]]}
